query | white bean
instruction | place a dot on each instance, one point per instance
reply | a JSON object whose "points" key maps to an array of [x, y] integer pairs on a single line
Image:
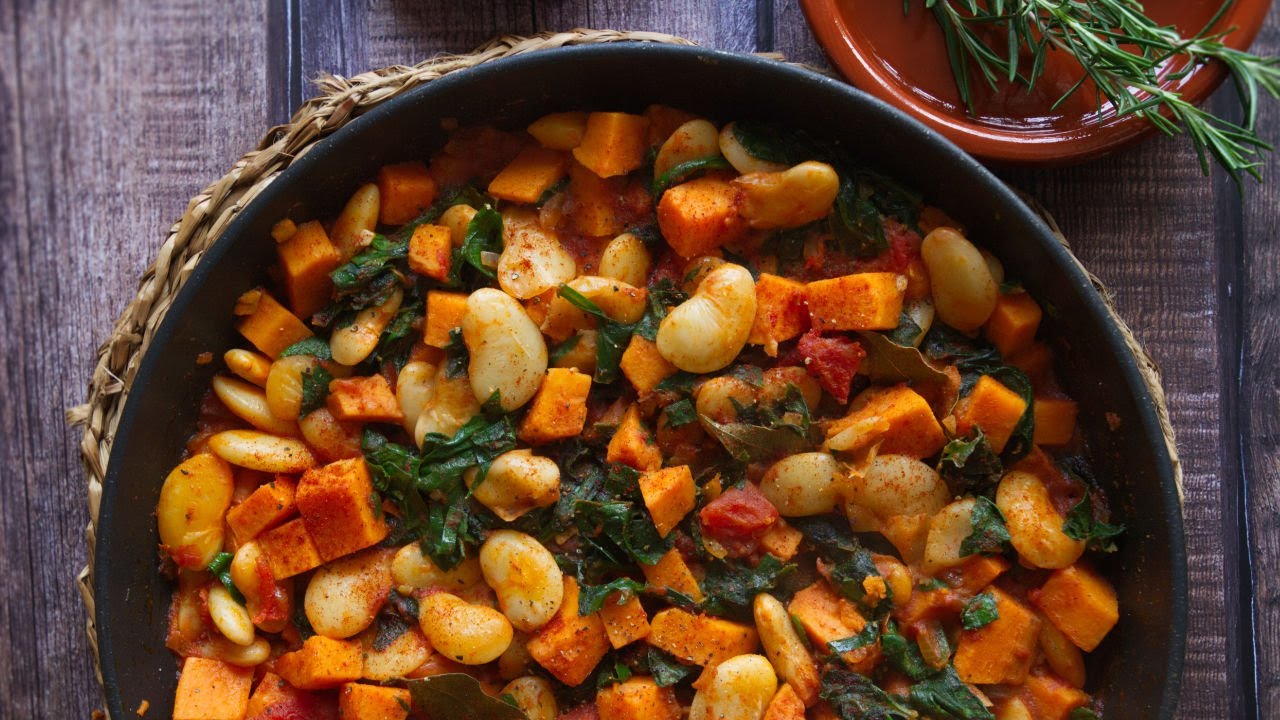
{"points": [[804, 484], [964, 293], [893, 485], [193, 504], [533, 260], [457, 218], [947, 531], [414, 387], [262, 451], [248, 364], [740, 689], [360, 216], [693, 140], [517, 482], [525, 577], [246, 573], [791, 198], [785, 649], [777, 380], [412, 569], [706, 332], [697, 269], [249, 403], [230, 617], [534, 696], [332, 438], [739, 158], [1035, 527], [626, 258], [343, 596], [397, 659], [921, 313], [1062, 655], [719, 398], [463, 632], [452, 404], [351, 344], [508, 354], [284, 385], [251, 655]]}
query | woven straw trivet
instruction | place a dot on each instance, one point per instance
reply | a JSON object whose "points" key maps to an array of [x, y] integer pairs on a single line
{"points": [[209, 213]]}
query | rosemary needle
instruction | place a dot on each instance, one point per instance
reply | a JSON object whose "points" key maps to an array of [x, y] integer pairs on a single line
{"points": [[1123, 53]]}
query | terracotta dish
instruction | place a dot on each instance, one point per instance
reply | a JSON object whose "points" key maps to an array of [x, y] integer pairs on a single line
{"points": [[902, 60]]}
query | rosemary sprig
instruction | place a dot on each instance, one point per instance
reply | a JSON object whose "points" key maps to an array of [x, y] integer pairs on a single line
{"points": [[1123, 53]]}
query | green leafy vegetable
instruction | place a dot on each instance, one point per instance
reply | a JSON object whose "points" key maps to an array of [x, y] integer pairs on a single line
{"points": [[456, 355], [592, 597], [681, 382], [903, 654], [220, 568], [908, 333], [970, 463], [314, 346], [315, 389], [397, 340], [613, 675], [665, 669], [754, 443], [731, 587], [484, 234], [680, 413], [868, 636], [620, 532], [979, 612], [989, 535], [662, 295], [611, 336], [564, 348], [945, 697], [854, 696], [1083, 713], [1082, 524], [457, 696], [855, 224], [686, 171]]}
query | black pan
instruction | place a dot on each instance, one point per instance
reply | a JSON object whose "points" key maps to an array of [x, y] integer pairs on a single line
{"points": [[1138, 668]]}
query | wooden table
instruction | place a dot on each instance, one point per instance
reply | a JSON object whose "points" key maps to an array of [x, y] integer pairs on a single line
{"points": [[113, 114]]}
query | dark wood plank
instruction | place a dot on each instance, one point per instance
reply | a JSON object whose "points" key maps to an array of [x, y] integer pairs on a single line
{"points": [[113, 116]]}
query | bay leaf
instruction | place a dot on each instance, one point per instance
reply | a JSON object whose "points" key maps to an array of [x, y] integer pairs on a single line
{"points": [[887, 361], [751, 443], [455, 696]]}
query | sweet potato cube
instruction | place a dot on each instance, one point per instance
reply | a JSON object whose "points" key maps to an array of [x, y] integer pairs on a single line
{"points": [[827, 617], [444, 314], [322, 663], [404, 191], [669, 494], [785, 705], [265, 508], [359, 701], [700, 639], [595, 212], [781, 313], [336, 502], [570, 646], [699, 216], [1055, 420], [275, 699], [1051, 698], [559, 408], [1036, 362], [638, 698], [431, 251], [614, 143], [559, 131], [1013, 324], [663, 120], [994, 408], [979, 571], [626, 622], [268, 324], [211, 690], [306, 259], [363, 399], [643, 366], [289, 550], [632, 444], [529, 175], [863, 301], [672, 572], [283, 230], [1080, 603], [781, 540], [1002, 650], [897, 417]]}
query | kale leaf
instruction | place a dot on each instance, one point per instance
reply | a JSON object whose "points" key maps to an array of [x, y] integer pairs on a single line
{"points": [[315, 389], [989, 535], [970, 464], [854, 696], [731, 587], [945, 697], [979, 612]]}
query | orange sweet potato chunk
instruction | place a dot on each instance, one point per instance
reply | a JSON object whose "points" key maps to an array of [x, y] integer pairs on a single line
{"points": [[570, 646], [404, 191], [633, 445], [1013, 324], [595, 203], [700, 639], [781, 313], [529, 175], [431, 251], [898, 418], [638, 698], [322, 663], [306, 259], [559, 131], [672, 572], [699, 216], [625, 622], [336, 504], [669, 494], [559, 408], [268, 324], [267, 506], [1051, 698], [613, 144], [444, 314], [1055, 420], [360, 701], [289, 550], [863, 301], [275, 699], [785, 705], [994, 408], [781, 540], [363, 399], [210, 689], [979, 571], [1002, 650], [1080, 603], [643, 366], [826, 617]]}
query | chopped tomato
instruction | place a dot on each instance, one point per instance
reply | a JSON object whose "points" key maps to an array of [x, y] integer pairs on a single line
{"points": [[295, 704], [832, 360], [586, 711], [274, 605], [738, 518], [668, 267]]}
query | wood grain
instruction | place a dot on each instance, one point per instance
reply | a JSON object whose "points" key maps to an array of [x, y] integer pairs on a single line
{"points": [[112, 115]]}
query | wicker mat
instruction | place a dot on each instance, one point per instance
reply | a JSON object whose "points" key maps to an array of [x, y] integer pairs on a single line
{"points": [[209, 213]]}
